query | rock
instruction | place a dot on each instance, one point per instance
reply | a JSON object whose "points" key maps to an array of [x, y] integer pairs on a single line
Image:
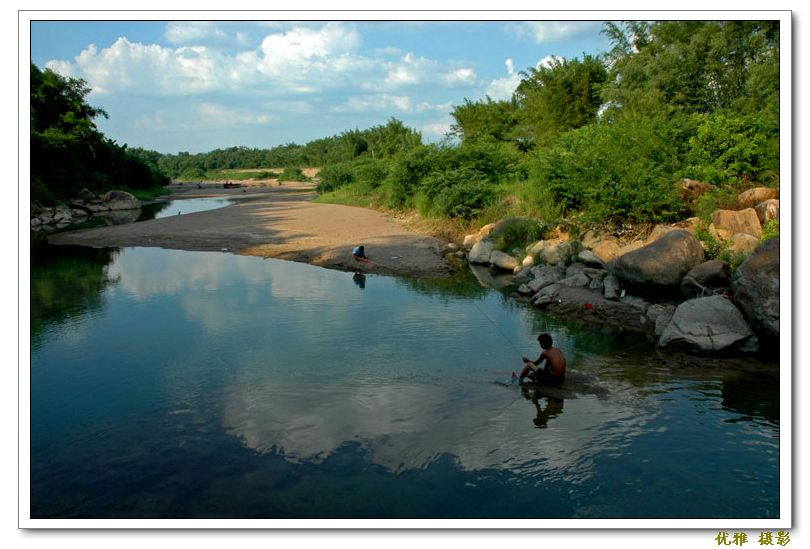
{"points": [[545, 276], [85, 195], [577, 280], [661, 265], [752, 197], [536, 248], [481, 252], [61, 214], [637, 302], [767, 210], [556, 251], [756, 288], [450, 248], [523, 276], [574, 268], [588, 257], [607, 248], [486, 230], [631, 247], [524, 289], [690, 224], [711, 325], [692, 189], [546, 295], [612, 288], [589, 240], [705, 278], [470, 240], [658, 232], [743, 243], [119, 200], [727, 223], [527, 262], [660, 316], [596, 284], [503, 261], [460, 254]]}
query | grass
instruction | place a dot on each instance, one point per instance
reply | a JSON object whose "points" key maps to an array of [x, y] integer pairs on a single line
{"points": [[145, 195]]}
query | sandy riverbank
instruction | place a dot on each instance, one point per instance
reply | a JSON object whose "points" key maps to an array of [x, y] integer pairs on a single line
{"points": [[280, 223]]}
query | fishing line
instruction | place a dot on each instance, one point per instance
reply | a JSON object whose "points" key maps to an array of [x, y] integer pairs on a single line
{"points": [[515, 347]]}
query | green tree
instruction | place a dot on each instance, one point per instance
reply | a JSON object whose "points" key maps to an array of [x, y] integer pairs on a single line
{"points": [[559, 97], [485, 121]]}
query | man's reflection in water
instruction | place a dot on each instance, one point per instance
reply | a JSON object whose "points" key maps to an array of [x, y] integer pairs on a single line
{"points": [[360, 280], [553, 407]]}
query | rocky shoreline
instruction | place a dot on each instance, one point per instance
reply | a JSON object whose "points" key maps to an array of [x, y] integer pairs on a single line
{"points": [[662, 287]]}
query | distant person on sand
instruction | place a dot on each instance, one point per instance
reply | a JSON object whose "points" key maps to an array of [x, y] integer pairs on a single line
{"points": [[359, 254], [554, 371]]}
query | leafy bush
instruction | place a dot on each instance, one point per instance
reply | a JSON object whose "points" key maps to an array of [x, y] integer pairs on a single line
{"points": [[454, 193], [729, 147], [617, 170], [334, 176], [770, 230], [292, 174], [518, 232], [719, 198]]}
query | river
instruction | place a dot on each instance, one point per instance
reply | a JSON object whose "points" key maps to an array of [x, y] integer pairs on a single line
{"points": [[174, 384]]}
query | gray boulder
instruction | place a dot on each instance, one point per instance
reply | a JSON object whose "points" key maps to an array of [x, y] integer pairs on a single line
{"points": [[481, 251], [546, 295], [767, 210], [545, 276], [709, 325], [660, 315], [612, 287], [590, 259], [756, 288], [705, 279], [662, 264], [119, 200], [576, 280]]}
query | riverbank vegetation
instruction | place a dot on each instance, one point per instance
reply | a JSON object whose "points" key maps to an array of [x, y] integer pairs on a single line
{"points": [[69, 153], [601, 140], [597, 140]]}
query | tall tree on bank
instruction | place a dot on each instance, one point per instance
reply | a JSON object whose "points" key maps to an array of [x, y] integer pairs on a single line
{"points": [[561, 96], [69, 153]]}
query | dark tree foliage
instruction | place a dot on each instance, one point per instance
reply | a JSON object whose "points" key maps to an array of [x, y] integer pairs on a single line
{"points": [[69, 153], [557, 98], [485, 121]]}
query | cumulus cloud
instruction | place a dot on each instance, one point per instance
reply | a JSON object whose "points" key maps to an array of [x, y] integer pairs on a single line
{"points": [[211, 114], [503, 88]]}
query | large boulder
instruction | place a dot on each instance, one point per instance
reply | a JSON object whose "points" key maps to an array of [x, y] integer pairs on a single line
{"points": [[743, 243], [545, 276], [756, 288], [705, 279], [612, 287], [119, 200], [481, 251], [727, 223], [709, 325], [556, 251], [755, 196], [661, 265], [768, 210]]}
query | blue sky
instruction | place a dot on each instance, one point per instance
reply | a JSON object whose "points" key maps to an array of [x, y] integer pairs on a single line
{"points": [[195, 86]]}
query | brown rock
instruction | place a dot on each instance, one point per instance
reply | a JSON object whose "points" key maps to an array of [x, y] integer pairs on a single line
{"points": [[757, 195], [768, 210], [727, 223]]}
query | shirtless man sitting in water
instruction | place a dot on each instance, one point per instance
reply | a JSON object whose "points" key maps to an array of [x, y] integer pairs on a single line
{"points": [[554, 371]]}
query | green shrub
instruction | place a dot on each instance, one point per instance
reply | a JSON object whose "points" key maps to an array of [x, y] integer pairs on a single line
{"points": [[730, 147], [719, 198], [613, 170], [770, 230], [292, 174], [334, 176]]}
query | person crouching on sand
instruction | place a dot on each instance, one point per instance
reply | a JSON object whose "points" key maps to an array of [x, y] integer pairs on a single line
{"points": [[554, 371], [359, 254]]}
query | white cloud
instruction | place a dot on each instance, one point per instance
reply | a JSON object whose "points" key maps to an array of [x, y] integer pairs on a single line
{"points": [[549, 61], [463, 76], [436, 129], [554, 31], [185, 32], [503, 88], [210, 114], [65, 68]]}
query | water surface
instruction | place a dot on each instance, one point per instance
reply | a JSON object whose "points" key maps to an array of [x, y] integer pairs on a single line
{"points": [[193, 384]]}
